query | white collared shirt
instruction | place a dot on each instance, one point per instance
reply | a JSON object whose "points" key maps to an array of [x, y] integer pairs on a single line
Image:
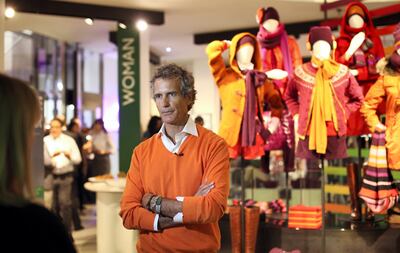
{"points": [[189, 129]]}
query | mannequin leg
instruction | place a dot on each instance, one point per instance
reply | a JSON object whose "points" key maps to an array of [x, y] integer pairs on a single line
{"points": [[354, 187]]}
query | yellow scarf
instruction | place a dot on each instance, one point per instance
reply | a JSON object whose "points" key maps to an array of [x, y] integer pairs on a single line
{"points": [[322, 104]]}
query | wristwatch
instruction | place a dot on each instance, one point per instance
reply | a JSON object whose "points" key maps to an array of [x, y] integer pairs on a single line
{"points": [[158, 204]]}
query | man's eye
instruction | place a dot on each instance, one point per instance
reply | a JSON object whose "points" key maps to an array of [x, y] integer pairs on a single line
{"points": [[172, 94], [157, 96]]}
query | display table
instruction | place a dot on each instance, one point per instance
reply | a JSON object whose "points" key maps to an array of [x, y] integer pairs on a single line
{"points": [[112, 237]]}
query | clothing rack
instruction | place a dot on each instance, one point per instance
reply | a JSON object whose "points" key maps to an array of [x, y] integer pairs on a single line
{"points": [[242, 203]]}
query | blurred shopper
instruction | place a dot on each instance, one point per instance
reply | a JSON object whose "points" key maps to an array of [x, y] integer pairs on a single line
{"points": [[153, 127], [74, 130], [199, 120], [37, 229], [61, 153], [102, 147]]}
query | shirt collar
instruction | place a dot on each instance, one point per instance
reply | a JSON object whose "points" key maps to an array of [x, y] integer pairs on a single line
{"points": [[189, 128]]}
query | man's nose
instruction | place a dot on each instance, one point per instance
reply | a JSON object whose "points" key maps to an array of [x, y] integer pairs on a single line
{"points": [[165, 101]]}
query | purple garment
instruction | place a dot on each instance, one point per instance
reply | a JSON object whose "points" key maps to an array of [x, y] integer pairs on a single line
{"points": [[336, 149], [271, 40], [251, 123]]}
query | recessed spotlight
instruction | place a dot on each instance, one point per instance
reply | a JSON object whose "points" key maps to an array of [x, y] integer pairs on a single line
{"points": [[27, 32], [122, 25], [141, 25], [89, 21], [168, 49], [9, 12]]}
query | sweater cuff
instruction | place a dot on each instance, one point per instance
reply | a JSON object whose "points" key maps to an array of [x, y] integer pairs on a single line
{"points": [[155, 223], [190, 212]]}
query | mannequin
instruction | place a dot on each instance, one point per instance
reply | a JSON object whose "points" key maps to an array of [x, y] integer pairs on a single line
{"points": [[279, 52], [316, 85], [387, 89], [243, 88], [359, 48]]}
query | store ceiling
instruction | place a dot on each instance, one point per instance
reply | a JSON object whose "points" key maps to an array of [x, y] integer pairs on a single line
{"points": [[183, 18]]}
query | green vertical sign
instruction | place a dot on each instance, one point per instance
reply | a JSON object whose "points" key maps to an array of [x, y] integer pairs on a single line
{"points": [[129, 94]]}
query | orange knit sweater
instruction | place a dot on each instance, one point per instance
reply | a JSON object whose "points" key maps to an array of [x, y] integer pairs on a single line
{"points": [[155, 170]]}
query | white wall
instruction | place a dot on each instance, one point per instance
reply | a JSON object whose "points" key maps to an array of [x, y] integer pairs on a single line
{"points": [[207, 104]]}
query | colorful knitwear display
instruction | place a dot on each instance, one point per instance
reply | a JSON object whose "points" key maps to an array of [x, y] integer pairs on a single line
{"points": [[307, 217]]}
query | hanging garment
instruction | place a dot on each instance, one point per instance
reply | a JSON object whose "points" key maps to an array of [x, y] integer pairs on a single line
{"points": [[378, 189]]}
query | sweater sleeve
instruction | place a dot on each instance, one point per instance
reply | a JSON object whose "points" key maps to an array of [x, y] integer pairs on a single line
{"points": [[297, 60], [211, 207], [216, 63], [372, 100], [355, 95], [134, 216], [291, 97]]}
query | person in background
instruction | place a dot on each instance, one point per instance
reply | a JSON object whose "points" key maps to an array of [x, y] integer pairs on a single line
{"points": [[74, 130], [153, 127], [102, 147], [62, 154], [37, 228], [178, 181], [199, 120]]}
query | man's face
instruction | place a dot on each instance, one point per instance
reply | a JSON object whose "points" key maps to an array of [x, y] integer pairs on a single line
{"points": [[171, 104], [55, 128]]}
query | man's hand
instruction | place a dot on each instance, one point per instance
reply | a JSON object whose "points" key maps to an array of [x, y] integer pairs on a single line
{"points": [[166, 222], [146, 200], [204, 189], [67, 155]]}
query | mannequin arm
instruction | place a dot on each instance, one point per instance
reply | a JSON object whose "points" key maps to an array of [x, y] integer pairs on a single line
{"points": [[355, 44], [276, 74], [216, 63]]}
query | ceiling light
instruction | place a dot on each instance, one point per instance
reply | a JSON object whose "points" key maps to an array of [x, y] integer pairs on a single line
{"points": [[9, 12], [27, 32], [168, 49], [141, 25], [89, 21], [122, 25]]}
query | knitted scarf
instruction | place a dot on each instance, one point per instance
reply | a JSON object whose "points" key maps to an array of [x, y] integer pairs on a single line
{"points": [[269, 41], [322, 104], [250, 124]]}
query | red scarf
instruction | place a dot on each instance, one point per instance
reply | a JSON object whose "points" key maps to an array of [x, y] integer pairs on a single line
{"points": [[269, 41], [252, 123]]}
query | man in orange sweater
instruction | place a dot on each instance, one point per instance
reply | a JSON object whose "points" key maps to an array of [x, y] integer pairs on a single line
{"points": [[178, 181]]}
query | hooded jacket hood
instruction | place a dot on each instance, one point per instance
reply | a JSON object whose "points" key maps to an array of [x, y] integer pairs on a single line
{"points": [[256, 60], [368, 28]]}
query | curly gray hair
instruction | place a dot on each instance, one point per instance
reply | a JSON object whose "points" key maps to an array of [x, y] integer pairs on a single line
{"points": [[185, 78]]}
